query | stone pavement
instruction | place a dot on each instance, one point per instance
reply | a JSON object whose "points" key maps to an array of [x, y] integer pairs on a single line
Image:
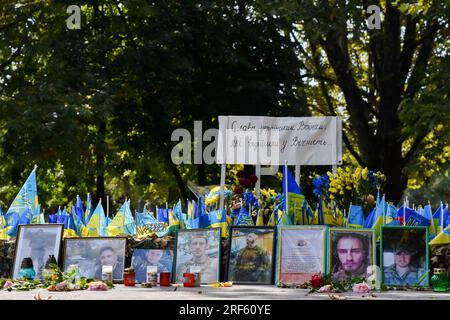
{"points": [[236, 292]]}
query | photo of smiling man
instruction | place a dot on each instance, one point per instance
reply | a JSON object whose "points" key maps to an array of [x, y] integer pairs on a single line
{"points": [[351, 253]]}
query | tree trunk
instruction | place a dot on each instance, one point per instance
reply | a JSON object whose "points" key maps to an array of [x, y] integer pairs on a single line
{"points": [[100, 166], [201, 174], [178, 178]]}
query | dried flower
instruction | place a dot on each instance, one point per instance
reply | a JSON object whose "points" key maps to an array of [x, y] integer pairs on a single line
{"points": [[361, 288], [8, 284], [326, 289]]}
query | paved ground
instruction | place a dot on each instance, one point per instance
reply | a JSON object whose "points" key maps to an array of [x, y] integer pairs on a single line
{"points": [[237, 292]]}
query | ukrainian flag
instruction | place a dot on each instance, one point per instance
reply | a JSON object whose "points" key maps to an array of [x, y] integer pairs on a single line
{"points": [[293, 198], [173, 219], [116, 227], [70, 228], [375, 220], [283, 219], [243, 218], [163, 215], [218, 219], [25, 201], [355, 217], [88, 212], [97, 223], [441, 215], [260, 219], [178, 211], [442, 238], [272, 220]]}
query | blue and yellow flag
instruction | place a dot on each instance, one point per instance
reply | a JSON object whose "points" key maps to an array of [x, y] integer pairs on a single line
{"points": [[442, 238], [178, 212], [163, 215], [218, 219], [123, 222], [78, 210], [355, 217], [174, 223], [143, 218], [243, 218], [283, 219], [97, 223], [260, 219], [70, 228], [2, 220], [88, 212], [375, 220], [441, 217], [293, 198], [25, 200]]}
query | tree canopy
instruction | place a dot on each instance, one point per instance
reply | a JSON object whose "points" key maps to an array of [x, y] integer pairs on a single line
{"points": [[95, 108]]}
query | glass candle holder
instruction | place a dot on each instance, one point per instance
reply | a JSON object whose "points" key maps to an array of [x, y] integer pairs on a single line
{"points": [[129, 277], [189, 280], [439, 280], [164, 279]]}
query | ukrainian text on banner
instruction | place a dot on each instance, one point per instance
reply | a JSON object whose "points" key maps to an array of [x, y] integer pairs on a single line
{"points": [[273, 141]]}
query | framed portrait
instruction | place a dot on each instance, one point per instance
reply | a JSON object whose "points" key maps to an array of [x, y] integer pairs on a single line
{"points": [[92, 253], [251, 255], [404, 256], [161, 258], [198, 250], [301, 253], [38, 242], [351, 253]]}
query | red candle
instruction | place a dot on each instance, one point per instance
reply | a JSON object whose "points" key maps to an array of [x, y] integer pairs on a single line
{"points": [[164, 279], [189, 280]]}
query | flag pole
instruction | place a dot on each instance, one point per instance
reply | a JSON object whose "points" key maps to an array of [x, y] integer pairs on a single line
{"points": [[286, 187], [107, 206], [442, 217], [404, 212]]}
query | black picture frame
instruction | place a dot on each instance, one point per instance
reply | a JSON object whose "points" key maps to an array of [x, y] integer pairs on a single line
{"points": [[20, 233], [124, 239], [271, 269]]}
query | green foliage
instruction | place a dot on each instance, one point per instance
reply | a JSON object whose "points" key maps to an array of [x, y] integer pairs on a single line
{"points": [[95, 108]]}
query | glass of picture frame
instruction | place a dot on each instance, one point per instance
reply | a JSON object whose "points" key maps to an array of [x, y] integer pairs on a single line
{"points": [[251, 254], [404, 256]]}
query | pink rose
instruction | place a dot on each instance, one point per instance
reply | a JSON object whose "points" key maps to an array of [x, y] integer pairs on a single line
{"points": [[361, 288], [8, 284], [97, 286], [325, 289]]}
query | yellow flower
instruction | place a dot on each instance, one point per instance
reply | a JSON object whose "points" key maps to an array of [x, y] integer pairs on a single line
{"points": [[348, 187], [342, 192], [365, 173], [332, 197], [332, 190]]}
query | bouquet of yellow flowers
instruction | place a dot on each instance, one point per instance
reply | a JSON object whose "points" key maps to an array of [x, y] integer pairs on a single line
{"points": [[353, 185]]}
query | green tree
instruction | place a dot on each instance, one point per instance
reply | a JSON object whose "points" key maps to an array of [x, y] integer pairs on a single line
{"points": [[385, 83]]}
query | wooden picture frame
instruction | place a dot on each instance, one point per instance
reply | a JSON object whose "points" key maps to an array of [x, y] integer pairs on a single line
{"points": [[240, 248]]}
